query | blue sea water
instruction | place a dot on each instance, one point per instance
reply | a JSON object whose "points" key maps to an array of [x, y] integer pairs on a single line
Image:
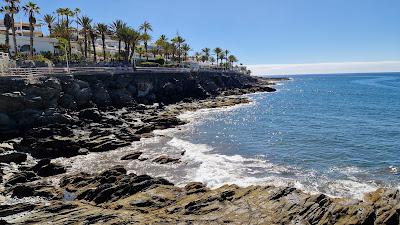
{"points": [[336, 134], [332, 134]]}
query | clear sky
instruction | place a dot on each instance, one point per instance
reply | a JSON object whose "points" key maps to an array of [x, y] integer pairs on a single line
{"points": [[265, 31]]}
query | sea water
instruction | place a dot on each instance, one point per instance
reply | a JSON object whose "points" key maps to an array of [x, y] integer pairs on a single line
{"points": [[332, 134]]}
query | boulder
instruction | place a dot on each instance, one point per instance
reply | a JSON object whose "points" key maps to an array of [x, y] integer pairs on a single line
{"points": [[50, 170], [22, 177], [132, 156], [15, 157], [165, 160]]}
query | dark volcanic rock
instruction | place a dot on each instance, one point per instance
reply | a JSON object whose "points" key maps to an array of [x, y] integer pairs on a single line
{"points": [[132, 156], [21, 177], [50, 170], [165, 159], [15, 157]]}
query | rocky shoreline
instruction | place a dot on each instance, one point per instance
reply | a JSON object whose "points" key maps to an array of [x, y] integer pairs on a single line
{"points": [[60, 117]]}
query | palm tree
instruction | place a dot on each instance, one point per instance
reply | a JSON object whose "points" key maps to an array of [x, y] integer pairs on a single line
{"points": [[206, 52], [221, 56], [31, 8], [49, 20], [77, 11], [85, 22], [67, 12], [217, 51], [226, 58], [232, 59], [103, 30], [134, 41], [186, 48], [161, 43], [146, 38], [212, 60], [197, 56], [145, 27], [7, 23], [178, 41], [140, 50], [14, 9], [116, 27], [93, 36]]}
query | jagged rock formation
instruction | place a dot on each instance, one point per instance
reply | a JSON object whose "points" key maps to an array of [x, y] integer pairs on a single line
{"points": [[114, 197]]}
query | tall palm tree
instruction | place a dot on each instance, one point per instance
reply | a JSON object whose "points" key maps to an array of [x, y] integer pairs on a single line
{"points": [[217, 51], [232, 59], [226, 58], [146, 38], [85, 22], [116, 27], [206, 52], [178, 41], [186, 48], [67, 12], [212, 60], [103, 30], [197, 56], [221, 56], [7, 23], [77, 11], [93, 37], [146, 27], [160, 43], [31, 9], [134, 41], [14, 9], [49, 20]]}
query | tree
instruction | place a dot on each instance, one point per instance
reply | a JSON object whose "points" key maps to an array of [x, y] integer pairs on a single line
{"points": [[206, 52], [197, 56], [31, 9], [93, 37], [85, 22], [146, 38], [186, 48], [49, 20], [226, 58], [221, 57], [161, 43], [178, 41], [116, 28], [145, 27], [7, 23], [140, 50], [77, 11], [67, 12], [103, 30], [14, 9], [232, 59], [212, 60], [217, 51], [134, 41]]}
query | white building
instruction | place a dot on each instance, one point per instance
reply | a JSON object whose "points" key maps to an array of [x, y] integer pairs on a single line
{"points": [[23, 29], [40, 44]]}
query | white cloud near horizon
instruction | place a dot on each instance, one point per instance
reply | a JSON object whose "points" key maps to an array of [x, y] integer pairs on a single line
{"points": [[325, 68]]}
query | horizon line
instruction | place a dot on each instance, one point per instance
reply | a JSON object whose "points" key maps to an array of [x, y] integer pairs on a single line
{"points": [[387, 66]]}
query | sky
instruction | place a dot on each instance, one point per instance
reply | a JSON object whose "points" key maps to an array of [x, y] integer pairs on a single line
{"points": [[269, 34]]}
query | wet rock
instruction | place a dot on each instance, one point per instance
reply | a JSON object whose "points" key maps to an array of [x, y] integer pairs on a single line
{"points": [[91, 114], [195, 187], [165, 160], [50, 170], [21, 177], [8, 210], [103, 144], [15, 157], [132, 156]]}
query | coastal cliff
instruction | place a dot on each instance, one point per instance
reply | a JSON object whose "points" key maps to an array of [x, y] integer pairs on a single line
{"points": [[48, 118]]}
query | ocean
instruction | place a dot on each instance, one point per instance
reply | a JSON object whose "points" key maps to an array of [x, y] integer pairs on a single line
{"points": [[332, 134]]}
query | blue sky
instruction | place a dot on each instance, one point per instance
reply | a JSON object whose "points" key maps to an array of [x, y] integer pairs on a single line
{"points": [[265, 31]]}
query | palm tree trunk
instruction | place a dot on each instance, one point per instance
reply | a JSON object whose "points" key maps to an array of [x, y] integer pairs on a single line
{"points": [[14, 35], [103, 38], [145, 47], [31, 38], [8, 40], [49, 30], [86, 45], [133, 55], [94, 51], [69, 38], [217, 59]]}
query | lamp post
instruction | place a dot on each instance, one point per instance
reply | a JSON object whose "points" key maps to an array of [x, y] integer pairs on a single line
{"points": [[66, 57]]}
